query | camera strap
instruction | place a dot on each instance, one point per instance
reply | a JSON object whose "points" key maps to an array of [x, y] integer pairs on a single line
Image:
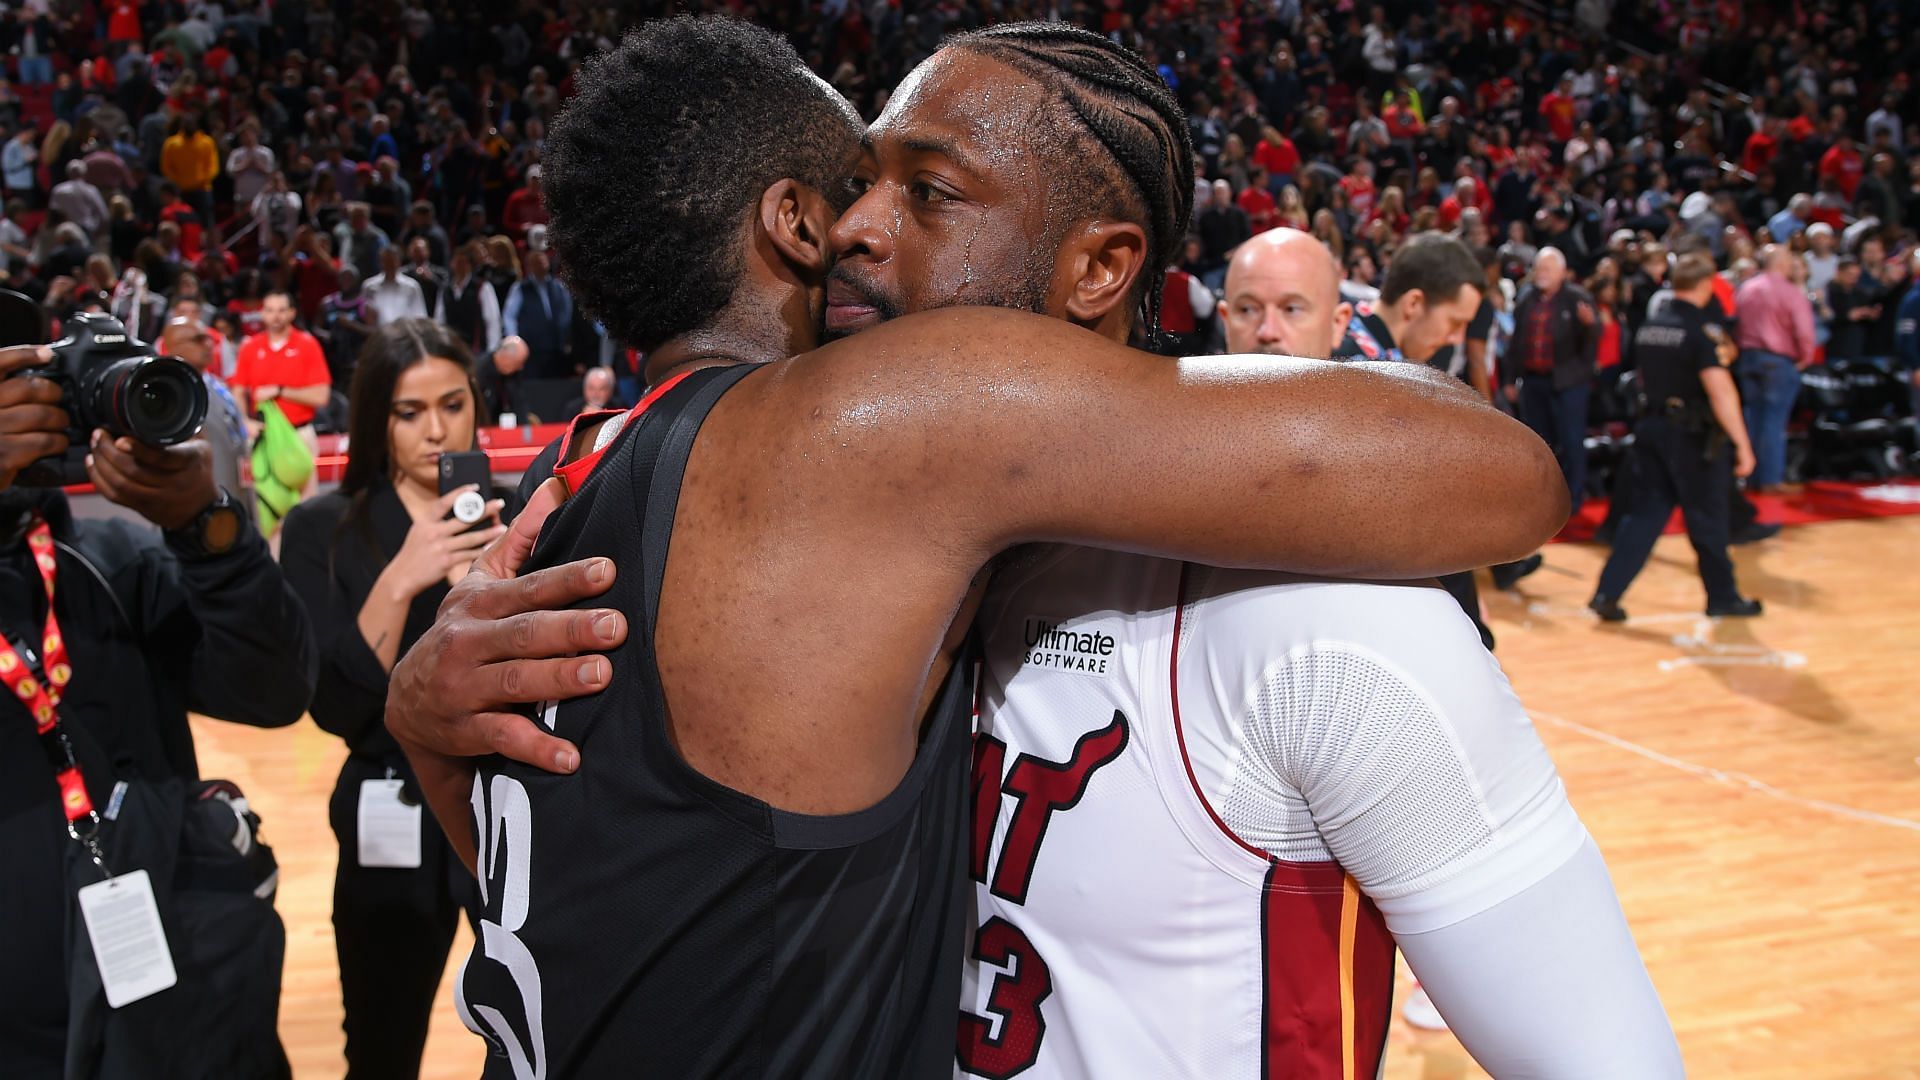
{"points": [[42, 697]]}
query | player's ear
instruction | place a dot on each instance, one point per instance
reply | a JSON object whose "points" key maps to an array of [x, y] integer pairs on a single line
{"points": [[795, 219], [1342, 315], [1101, 262]]}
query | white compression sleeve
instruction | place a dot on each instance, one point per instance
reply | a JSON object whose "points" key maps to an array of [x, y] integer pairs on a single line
{"points": [[1548, 983]]}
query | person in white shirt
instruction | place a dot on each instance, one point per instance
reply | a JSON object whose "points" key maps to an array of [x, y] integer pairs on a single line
{"points": [[276, 208], [251, 166], [392, 295], [79, 200]]}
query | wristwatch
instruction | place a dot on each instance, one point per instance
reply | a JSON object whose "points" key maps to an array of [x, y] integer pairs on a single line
{"points": [[215, 531]]}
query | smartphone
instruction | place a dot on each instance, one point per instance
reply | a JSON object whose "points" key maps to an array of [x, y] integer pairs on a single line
{"points": [[460, 469]]}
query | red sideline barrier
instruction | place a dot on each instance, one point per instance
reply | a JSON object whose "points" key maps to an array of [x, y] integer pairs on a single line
{"points": [[509, 450], [1820, 500]]}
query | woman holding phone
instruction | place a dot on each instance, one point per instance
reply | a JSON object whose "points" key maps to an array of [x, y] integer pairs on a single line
{"points": [[372, 561]]}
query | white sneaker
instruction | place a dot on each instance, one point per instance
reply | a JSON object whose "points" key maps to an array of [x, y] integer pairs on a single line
{"points": [[1419, 1012]]}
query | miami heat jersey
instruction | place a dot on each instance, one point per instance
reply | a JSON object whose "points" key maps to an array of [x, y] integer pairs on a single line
{"points": [[1167, 759]]}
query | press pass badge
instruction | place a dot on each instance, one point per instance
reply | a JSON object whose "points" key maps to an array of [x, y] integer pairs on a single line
{"points": [[389, 826], [469, 507], [129, 944]]}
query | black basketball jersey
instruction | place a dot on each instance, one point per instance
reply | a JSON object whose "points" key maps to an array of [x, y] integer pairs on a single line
{"points": [[643, 920]]}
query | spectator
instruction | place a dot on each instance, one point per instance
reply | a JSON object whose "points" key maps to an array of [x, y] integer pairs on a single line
{"points": [[225, 432], [1278, 155], [1854, 301], [1841, 165], [284, 364], [1548, 366], [539, 310], [1877, 195], [596, 393], [1822, 257], [393, 295], [66, 260], [190, 162], [79, 201], [276, 210], [1775, 336], [524, 208], [423, 271], [372, 561], [468, 307], [503, 268], [344, 322], [359, 241], [251, 166], [1222, 226], [193, 614], [17, 165], [422, 226], [388, 196], [1257, 202]]}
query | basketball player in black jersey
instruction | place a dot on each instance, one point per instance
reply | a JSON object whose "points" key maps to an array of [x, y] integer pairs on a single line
{"points": [[763, 878]]}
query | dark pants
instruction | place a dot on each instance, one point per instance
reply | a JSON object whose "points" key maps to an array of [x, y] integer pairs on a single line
{"points": [[392, 930], [1466, 593], [1769, 383], [1674, 467], [1560, 417]]}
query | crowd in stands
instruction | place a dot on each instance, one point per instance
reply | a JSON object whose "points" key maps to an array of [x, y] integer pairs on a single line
{"points": [[379, 161]]}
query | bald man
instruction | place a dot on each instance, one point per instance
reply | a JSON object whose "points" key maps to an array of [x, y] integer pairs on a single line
{"points": [[1283, 297], [186, 337], [1548, 367]]}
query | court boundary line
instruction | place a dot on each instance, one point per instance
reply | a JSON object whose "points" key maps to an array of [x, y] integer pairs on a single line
{"points": [[1726, 777]]}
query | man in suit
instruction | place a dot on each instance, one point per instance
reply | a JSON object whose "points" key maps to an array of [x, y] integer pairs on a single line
{"points": [[540, 311]]}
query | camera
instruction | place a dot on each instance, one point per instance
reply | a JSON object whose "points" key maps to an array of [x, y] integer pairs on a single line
{"points": [[112, 380]]}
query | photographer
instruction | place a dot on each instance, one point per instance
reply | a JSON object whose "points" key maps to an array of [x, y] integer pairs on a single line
{"points": [[125, 630]]}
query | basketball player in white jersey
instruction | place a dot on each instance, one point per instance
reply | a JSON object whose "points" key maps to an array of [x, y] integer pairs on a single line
{"points": [[1209, 803], [1212, 931]]}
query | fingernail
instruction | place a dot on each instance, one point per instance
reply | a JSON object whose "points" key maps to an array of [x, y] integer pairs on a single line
{"points": [[604, 627], [592, 672], [599, 571], [566, 760], [94, 439], [43, 354]]}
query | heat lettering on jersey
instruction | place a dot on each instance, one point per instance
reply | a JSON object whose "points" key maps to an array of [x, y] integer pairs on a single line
{"points": [[1040, 789]]}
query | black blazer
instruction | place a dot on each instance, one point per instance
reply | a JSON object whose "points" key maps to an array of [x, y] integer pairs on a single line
{"points": [[1573, 343], [332, 563]]}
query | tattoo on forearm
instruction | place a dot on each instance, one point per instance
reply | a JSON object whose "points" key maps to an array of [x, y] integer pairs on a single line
{"points": [[379, 641]]}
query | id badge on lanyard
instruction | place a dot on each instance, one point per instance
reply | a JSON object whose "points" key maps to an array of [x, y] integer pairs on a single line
{"points": [[123, 920]]}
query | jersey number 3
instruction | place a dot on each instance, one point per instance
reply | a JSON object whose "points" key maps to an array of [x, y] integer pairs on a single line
{"points": [[1040, 788]]}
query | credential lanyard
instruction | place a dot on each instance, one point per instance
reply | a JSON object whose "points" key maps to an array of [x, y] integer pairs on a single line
{"points": [[42, 699]]}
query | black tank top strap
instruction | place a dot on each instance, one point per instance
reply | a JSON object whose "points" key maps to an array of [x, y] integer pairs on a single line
{"points": [[660, 462]]}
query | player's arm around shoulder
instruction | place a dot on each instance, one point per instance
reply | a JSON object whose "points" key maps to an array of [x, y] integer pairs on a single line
{"points": [[1023, 429]]}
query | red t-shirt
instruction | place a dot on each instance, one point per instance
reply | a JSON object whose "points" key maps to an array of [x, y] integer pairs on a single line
{"points": [[1761, 147], [297, 362], [1279, 159], [1558, 109], [1259, 205], [124, 23], [1360, 195], [1841, 163]]}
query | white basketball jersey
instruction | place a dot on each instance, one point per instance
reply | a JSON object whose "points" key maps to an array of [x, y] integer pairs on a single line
{"points": [[1118, 919]]}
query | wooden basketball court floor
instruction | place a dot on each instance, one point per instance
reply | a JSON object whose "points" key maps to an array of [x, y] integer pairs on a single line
{"points": [[1755, 786]]}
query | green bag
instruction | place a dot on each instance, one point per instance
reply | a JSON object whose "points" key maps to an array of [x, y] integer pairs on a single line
{"points": [[282, 465]]}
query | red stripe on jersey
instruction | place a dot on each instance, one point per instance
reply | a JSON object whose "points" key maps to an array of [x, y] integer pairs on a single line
{"points": [[1326, 981], [575, 473]]}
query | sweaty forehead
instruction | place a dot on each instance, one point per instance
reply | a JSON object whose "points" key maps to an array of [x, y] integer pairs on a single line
{"points": [[982, 109]]}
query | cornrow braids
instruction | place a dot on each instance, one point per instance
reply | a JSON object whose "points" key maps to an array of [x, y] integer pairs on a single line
{"points": [[1121, 105]]}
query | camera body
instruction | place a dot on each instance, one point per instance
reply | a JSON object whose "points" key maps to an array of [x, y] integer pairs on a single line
{"points": [[110, 379]]}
